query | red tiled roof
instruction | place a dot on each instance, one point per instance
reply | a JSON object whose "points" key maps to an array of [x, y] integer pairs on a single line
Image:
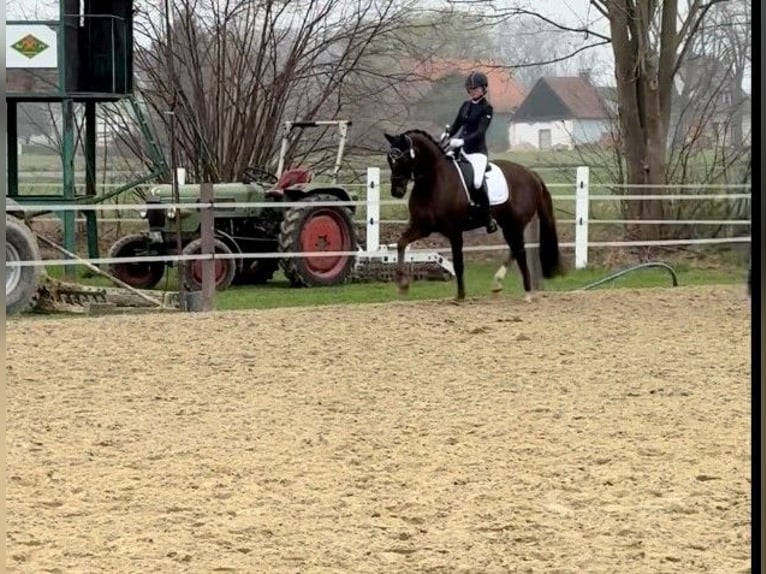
{"points": [[505, 93]]}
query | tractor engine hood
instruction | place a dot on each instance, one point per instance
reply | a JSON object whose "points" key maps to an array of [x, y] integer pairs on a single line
{"points": [[190, 192]]}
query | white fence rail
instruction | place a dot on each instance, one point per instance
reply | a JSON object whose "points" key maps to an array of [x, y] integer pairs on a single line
{"points": [[372, 202]]}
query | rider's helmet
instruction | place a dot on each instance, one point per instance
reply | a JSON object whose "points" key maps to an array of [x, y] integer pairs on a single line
{"points": [[476, 80]]}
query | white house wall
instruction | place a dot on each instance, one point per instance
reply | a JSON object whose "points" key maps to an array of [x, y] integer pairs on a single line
{"points": [[564, 133], [522, 133]]}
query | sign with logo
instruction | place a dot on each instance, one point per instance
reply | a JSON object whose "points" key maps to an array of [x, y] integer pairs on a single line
{"points": [[30, 46]]}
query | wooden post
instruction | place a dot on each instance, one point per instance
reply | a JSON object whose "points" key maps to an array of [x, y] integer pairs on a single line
{"points": [[208, 248], [532, 241]]}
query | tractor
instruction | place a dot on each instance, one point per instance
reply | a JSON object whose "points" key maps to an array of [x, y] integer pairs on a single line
{"points": [[22, 284], [240, 230]]}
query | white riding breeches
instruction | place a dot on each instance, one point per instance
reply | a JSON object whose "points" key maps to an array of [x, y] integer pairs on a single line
{"points": [[479, 164]]}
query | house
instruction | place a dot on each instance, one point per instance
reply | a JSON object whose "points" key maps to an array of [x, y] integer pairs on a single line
{"points": [[440, 89], [560, 112]]}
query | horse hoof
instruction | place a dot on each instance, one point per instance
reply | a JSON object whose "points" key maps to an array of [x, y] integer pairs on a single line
{"points": [[496, 290], [528, 298]]}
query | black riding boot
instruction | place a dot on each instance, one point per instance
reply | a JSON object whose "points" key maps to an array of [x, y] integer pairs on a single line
{"points": [[486, 210]]}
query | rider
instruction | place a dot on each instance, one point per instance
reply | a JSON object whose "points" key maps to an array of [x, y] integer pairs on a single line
{"points": [[474, 117]]}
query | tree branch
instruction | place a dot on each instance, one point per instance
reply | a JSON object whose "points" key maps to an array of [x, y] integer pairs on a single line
{"points": [[555, 60]]}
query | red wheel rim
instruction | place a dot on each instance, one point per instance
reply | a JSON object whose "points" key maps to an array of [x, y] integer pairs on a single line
{"points": [[219, 271], [325, 231]]}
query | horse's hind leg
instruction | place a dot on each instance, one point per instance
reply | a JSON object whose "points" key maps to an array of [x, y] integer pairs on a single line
{"points": [[515, 238], [500, 273]]}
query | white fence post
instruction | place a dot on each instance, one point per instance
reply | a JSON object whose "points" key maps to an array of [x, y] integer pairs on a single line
{"points": [[373, 210], [582, 207]]}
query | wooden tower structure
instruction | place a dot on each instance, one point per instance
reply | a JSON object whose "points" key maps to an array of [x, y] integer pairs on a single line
{"points": [[85, 56]]}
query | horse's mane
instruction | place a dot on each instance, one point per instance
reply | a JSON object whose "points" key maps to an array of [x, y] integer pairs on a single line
{"points": [[427, 136]]}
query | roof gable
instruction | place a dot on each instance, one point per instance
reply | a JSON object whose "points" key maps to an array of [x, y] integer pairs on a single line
{"points": [[558, 98]]}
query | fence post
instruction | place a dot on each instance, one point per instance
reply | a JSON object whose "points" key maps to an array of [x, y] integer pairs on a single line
{"points": [[373, 210], [207, 233], [582, 208], [532, 236]]}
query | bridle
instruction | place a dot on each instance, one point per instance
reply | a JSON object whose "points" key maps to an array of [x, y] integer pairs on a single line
{"points": [[394, 155]]}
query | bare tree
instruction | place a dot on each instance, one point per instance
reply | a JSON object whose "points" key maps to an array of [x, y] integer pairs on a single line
{"points": [[533, 48], [649, 46], [650, 41], [241, 68]]}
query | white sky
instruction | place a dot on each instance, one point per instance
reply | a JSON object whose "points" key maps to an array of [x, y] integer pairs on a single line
{"points": [[570, 12]]}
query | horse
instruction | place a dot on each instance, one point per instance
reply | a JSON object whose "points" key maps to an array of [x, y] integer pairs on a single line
{"points": [[439, 203]]}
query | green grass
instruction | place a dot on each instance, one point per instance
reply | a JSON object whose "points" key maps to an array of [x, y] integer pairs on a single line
{"points": [[479, 280]]}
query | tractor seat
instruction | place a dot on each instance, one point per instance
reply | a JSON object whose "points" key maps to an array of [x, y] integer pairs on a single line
{"points": [[289, 178]]}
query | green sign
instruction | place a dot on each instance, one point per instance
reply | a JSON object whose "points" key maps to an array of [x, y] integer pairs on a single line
{"points": [[30, 46]]}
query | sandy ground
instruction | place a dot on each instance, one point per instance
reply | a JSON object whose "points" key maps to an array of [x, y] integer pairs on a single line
{"points": [[593, 432]]}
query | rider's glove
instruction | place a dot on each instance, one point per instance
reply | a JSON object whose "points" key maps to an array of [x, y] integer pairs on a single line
{"points": [[455, 143]]}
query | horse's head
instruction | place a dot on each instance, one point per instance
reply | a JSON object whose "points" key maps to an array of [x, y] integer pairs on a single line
{"points": [[401, 160]]}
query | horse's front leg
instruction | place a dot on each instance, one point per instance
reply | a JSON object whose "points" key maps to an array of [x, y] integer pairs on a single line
{"points": [[456, 242], [409, 235]]}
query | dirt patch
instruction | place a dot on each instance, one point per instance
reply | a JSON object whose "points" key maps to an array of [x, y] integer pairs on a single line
{"points": [[590, 432]]}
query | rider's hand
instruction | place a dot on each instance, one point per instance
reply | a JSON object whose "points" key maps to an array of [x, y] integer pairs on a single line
{"points": [[455, 143], [443, 137]]}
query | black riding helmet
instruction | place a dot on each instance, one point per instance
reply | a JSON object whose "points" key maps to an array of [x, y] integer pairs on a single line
{"points": [[476, 80]]}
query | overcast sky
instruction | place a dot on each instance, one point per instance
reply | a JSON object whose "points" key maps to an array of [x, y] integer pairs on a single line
{"points": [[571, 12]]}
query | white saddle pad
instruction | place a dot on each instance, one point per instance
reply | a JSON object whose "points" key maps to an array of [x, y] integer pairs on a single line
{"points": [[496, 185]]}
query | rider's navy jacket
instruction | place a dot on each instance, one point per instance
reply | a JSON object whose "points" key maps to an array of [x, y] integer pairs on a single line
{"points": [[474, 118]]}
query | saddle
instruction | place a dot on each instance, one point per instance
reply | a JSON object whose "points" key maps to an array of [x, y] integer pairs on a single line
{"points": [[466, 170]]}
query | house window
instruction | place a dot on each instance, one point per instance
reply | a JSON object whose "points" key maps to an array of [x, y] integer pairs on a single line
{"points": [[544, 139]]}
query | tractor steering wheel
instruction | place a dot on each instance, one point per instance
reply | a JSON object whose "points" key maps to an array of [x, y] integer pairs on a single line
{"points": [[253, 174]]}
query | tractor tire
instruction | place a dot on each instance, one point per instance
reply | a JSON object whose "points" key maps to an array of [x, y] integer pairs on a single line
{"points": [[257, 271], [321, 228], [137, 275], [224, 270], [21, 283]]}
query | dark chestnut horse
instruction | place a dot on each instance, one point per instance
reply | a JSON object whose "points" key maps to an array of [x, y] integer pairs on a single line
{"points": [[439, 203]]}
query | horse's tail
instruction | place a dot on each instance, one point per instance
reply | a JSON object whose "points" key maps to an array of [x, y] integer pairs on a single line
{"points": [[550, 256]]}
